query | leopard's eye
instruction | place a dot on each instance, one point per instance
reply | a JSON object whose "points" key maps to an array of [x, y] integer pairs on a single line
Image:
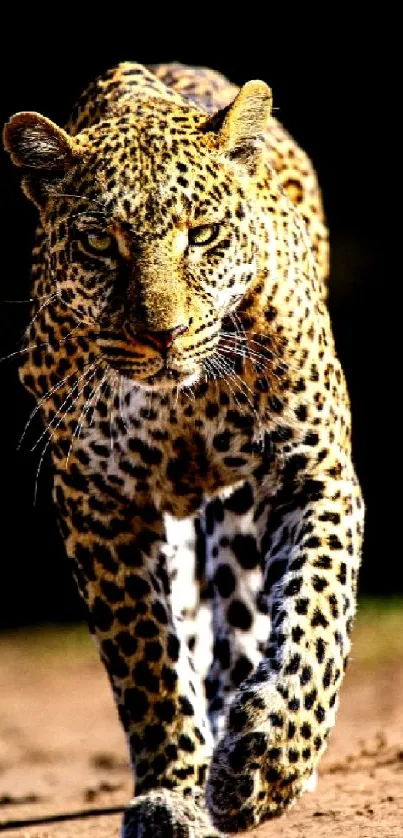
{"points": [[204, 234], [100, 242]]}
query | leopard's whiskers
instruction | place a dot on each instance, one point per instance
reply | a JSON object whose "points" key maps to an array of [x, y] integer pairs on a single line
{"points": [[73, 401], [39, 346], [84, 413], [122, 403], [41, 401], [51, 424], [112, 411]]}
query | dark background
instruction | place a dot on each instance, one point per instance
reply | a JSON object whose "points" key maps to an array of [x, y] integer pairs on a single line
{"points": [[328, 81]]}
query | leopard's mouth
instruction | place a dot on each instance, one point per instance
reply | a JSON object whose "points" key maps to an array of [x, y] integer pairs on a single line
{"points": [[163, 375], [148, 369], [168, 378]]}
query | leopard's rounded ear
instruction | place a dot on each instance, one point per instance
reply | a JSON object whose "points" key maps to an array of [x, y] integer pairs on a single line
{"points": [[44, 151], [35, 142], [241, 126]]}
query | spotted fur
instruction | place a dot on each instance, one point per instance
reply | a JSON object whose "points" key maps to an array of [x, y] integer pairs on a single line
{"points": [[182, 358]]}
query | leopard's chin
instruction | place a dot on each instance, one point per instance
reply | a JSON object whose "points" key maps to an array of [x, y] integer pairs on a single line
{"points": [[169, 379], [164, 379]]}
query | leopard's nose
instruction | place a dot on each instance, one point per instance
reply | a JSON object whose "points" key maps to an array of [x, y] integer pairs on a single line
{"points": [[160, 339]]}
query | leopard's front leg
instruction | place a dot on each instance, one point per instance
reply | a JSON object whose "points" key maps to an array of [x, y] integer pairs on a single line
{"points": [[116, 545], [281, 716]]}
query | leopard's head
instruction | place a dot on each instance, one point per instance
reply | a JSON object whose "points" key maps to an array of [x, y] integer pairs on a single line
{"points": [[157, 226]]}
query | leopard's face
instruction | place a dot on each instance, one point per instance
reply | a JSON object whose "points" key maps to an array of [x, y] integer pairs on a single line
{"points": [[154, 249], [151, 231]]}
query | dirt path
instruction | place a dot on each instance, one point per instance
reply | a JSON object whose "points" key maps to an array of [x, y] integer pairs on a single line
{"points": [[62, 750]]}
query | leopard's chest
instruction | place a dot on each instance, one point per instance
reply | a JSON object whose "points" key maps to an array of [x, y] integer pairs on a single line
{"points": [[180, 456]]}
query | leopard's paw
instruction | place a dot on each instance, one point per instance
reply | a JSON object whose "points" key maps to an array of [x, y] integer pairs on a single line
{"points": [[250, 781], [166, 814]]}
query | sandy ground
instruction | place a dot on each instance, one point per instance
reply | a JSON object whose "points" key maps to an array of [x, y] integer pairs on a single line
{"points": [[62, 750]]}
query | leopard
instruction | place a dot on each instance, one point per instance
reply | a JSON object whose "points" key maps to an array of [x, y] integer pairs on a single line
{"points": [[182, 360]]}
